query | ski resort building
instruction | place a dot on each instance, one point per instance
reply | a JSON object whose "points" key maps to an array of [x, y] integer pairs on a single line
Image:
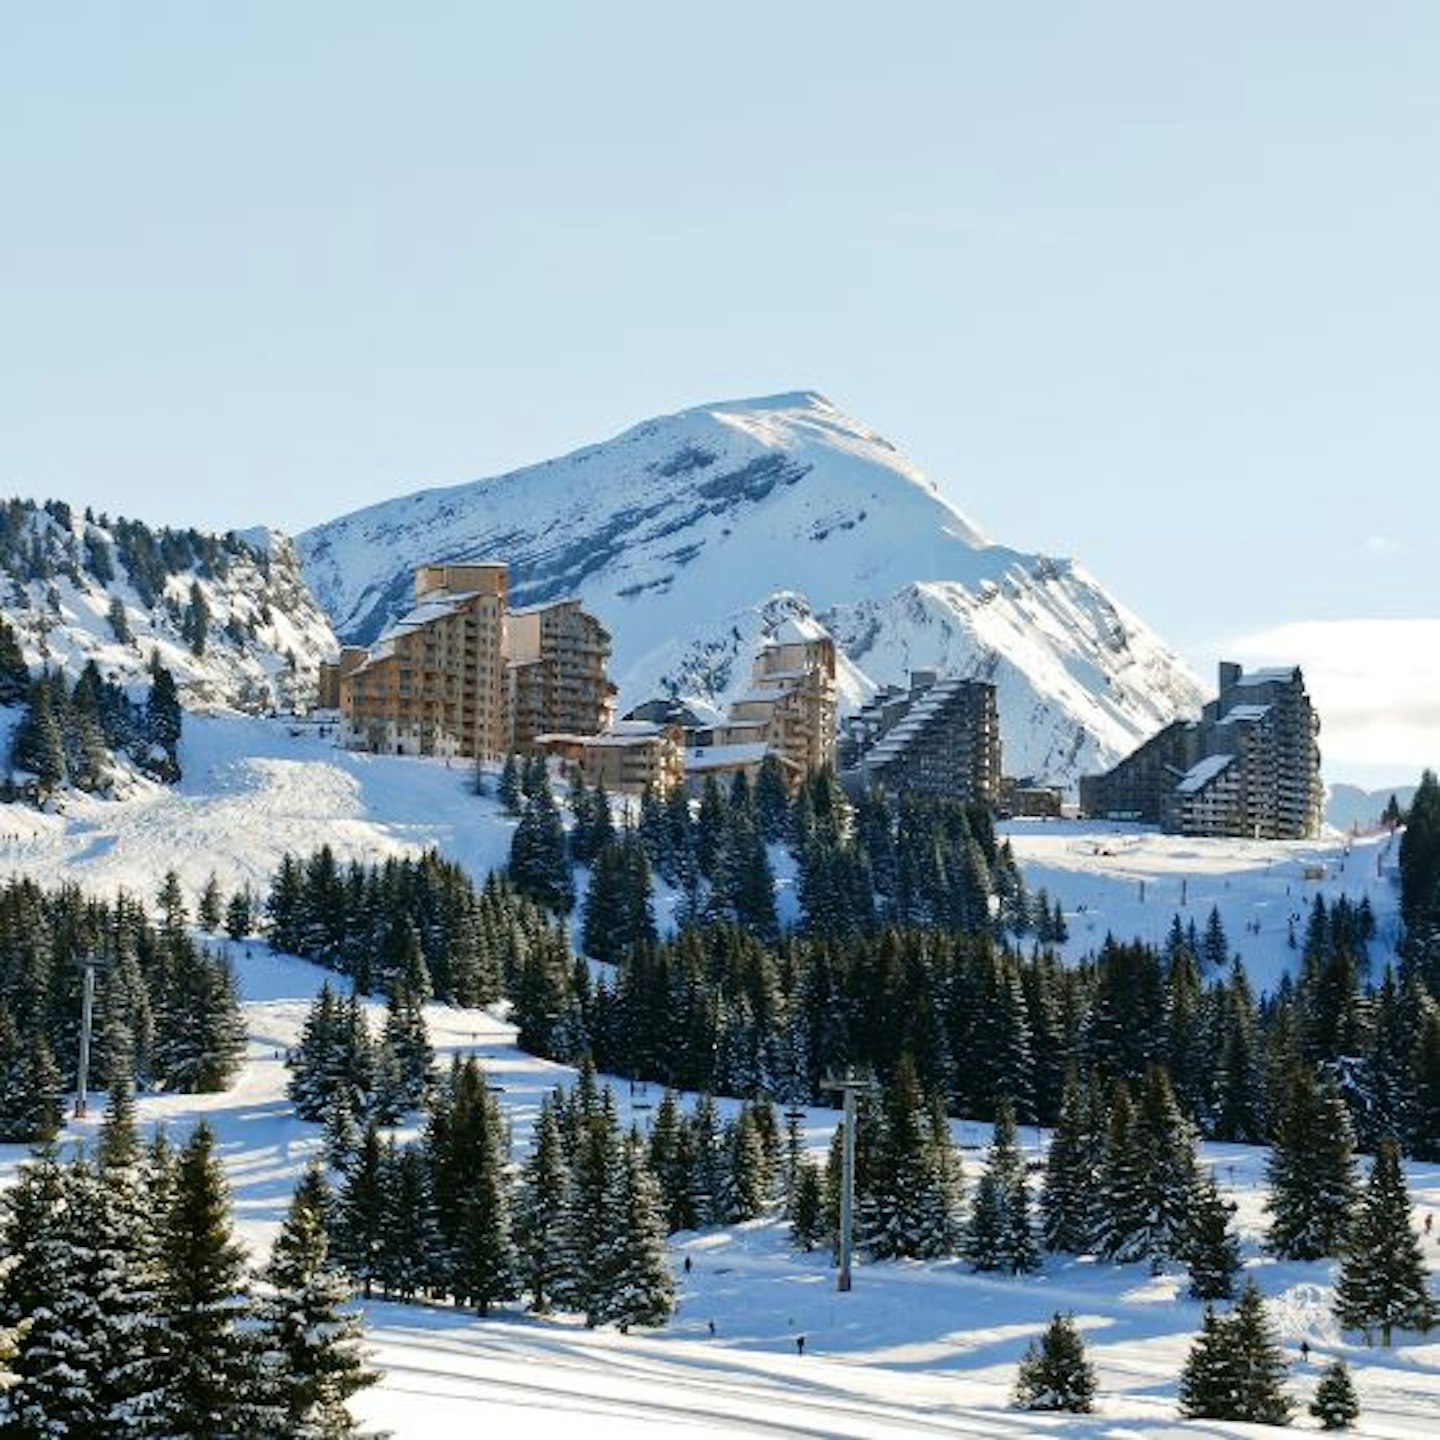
{"points": [[789, 709], [460, 675], [1250, 766], [627, 757], [939, 738], [555, 665]]}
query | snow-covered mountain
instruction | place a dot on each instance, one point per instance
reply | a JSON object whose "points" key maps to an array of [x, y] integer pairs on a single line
{"points": [[692, 534], [229, 615]]}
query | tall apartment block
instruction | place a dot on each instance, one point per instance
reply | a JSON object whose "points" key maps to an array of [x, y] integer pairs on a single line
{"points": [[939, 738], [788, 710], [461, 675], [1250, 766], [556, 657]]}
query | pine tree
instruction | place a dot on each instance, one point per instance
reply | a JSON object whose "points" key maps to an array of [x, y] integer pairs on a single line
{"points": [[1311, 1171], [472, 1197], [210, 911], [1260, 1366], [1000, 1235], [359, 1218], [1054, 1373], [309, 1339], [52, 1294], [641, 1289], [540, 1211], [1383, 1278], [406, 1262], [1210, 1250], [1336, 1405], [809, 1227], [14, 673], [1068, 1199], [208, 1374], [907, 1208], [509, 792]]}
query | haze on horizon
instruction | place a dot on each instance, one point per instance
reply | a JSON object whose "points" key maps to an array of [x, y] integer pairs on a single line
{"points": [[1147, 286]]}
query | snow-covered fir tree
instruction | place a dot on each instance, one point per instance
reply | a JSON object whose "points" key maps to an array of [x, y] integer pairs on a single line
{"points": [[1383, 1284], [1336, 1405], [209, 1378], [309, 1340], [1054, 1373], [1000, 1235], [1311, 1171], [1235, 1369]]}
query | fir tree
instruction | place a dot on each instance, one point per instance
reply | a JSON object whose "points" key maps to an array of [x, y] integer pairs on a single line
{"points": [[511, 797], [1311, 1171], [1000, 1235], [1383, 1278], [1211, 1250], [540, 1211], [909, 1201], [1054, 1373], [209, 1374], [1235, 1369], [14, 673], [1336, 1405], [808, 1225], [359, 1218], [309, 1339], [1068, 1199], [641, 1289]]}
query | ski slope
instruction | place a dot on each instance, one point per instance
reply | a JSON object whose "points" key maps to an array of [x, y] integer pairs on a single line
{"points": [[915, 1349]]}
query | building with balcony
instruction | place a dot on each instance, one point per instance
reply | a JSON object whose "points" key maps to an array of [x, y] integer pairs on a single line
{"points": [[627, 758], [1249, 766], [939, 738], [788, 709], [460, 675]]}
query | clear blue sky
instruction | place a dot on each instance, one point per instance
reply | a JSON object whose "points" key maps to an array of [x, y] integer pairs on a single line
{"points": [[1154, 285]]}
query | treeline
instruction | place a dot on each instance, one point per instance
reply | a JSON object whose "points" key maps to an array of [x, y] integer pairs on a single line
{"points": [[718, 1009], [368, 922], [71, 736], [128, 1308], [884, 861], [166, 1012]]}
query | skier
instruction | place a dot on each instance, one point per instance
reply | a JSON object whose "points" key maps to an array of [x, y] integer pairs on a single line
{"points": [[687, 1264], [799, 1344], [1304, 1352]]}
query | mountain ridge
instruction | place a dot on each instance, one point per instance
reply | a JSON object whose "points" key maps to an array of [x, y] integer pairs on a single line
{"points": [[684, 531]]}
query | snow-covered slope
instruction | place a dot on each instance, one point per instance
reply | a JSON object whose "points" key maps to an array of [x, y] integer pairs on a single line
{"points": [[690, 534], [81, 587]]}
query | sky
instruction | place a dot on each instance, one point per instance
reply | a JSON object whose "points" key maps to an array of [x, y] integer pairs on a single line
{"points": [[1151, 285]]}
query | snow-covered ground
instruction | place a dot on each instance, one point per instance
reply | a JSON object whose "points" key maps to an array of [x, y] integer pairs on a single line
{"points": [[914, 1349], [1132, 882]]}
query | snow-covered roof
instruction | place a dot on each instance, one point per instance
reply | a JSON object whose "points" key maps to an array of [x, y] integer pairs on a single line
{"points": [[544, 605], [1200, 775], [1278, 674], [724, 757], [637, 733], [1243, 714]]}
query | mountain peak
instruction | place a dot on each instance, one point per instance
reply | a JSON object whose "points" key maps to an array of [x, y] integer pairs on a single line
{"points": [[678, 533]]}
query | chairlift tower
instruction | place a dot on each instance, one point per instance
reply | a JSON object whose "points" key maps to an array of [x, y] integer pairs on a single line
{"points": [[89, 963], [848, 1086]]}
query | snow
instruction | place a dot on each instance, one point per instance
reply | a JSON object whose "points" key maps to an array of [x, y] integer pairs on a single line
{"points": [[916, 1349], [697, 537], [1199, 775]]}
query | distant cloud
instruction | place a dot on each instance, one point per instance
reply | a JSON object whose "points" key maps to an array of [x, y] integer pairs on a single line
{"points": [[1381, 545], [1376, 684]]}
